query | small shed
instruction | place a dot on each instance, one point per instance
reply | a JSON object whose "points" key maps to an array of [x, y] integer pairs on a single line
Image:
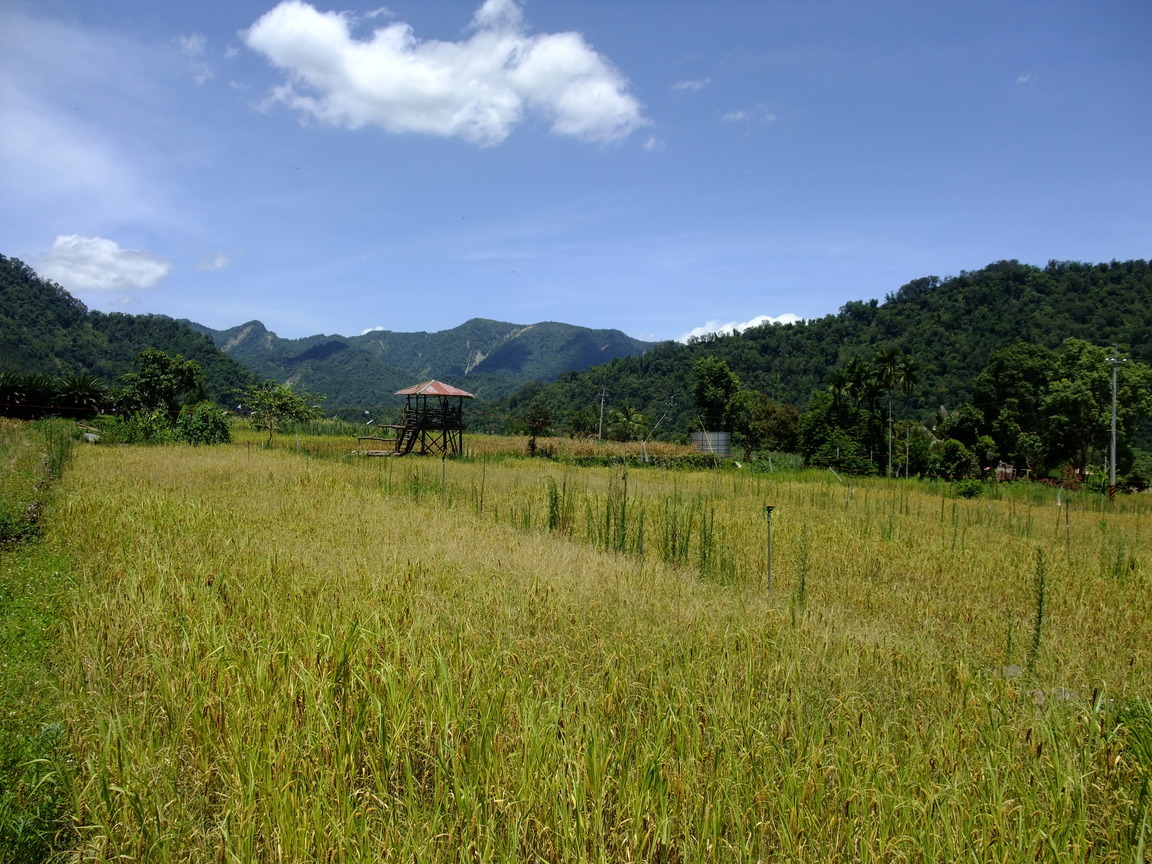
{"points": [[433, 421]]}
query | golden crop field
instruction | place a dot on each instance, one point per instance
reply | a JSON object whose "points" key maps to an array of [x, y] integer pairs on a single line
{"points": [[274, 656]]}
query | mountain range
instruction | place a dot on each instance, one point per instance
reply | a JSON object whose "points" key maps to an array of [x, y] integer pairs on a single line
{"points": [[44, 329], [951, 326], [488, 358]]}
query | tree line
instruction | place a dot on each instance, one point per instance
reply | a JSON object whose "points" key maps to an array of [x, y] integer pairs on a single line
{"points": [[950, 327]]}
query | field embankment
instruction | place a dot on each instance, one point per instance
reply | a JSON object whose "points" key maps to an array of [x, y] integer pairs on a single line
{"points": [[34, 587], [275, 657]]}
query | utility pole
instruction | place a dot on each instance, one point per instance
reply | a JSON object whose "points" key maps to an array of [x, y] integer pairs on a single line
{"points": [[603, 396], [1115, 361]]}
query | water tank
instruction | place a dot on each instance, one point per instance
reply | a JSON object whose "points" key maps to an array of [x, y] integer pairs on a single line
{"points": [[716, 443]]}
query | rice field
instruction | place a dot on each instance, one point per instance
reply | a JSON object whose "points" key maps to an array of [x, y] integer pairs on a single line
{"points": [[273, 656]]}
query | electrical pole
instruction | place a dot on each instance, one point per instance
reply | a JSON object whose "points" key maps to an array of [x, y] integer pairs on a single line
{"points": [[603, 395], [1115, 361]]}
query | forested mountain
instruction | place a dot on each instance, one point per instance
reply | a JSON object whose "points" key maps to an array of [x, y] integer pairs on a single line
{"points": [[487, 358], [950, 326], [44, 329]]}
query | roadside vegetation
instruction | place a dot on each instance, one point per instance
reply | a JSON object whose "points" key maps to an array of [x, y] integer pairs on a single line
{"points": [[273, 656], [34, 587]]}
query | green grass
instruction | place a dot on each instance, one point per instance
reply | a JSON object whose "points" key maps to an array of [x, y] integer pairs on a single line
{"points": [[33, 591]]}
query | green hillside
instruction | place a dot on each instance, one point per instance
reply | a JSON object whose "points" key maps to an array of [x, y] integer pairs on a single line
{"points": [[488, 358], [44, 329], [950, 326]]}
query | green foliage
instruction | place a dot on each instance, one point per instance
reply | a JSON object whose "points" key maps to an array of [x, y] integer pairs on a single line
{"points": [[758, 422], [33, 395], [161, 382], [274, 404], [143, 427], [625, 423], [832, 434], [45, 330], [1044, 408], [946, 330], [715, 387], [953, 461], [971, 488], [203, 423], [538, 419]]}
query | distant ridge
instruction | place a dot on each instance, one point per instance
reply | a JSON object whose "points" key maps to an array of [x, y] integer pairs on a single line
{"points": [[486, 357]]}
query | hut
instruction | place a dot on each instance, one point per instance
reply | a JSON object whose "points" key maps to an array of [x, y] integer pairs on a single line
{"points": [[432, 422]]}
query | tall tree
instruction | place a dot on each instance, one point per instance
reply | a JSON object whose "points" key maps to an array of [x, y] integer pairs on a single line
{"points": [[715, 386], [274, 404], [161, 381]]}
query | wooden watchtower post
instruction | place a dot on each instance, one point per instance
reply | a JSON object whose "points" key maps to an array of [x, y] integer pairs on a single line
{"points": [[433, 421]]}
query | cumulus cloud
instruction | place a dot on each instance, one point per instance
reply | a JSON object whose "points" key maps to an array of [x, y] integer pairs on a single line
{"points": [[371, 330], [477, 89], [737, 327], [698, 84], [96, 264]]}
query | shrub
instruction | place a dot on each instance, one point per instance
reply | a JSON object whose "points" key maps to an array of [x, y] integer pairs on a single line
{"points": [[144, 427], [968, 488], [203, 423]]}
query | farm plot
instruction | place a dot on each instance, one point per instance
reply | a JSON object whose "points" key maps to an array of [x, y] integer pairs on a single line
{"points": [[281, 658]]}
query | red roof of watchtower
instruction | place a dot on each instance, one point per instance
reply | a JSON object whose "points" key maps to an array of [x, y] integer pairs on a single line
{"points": [[435, 388]]}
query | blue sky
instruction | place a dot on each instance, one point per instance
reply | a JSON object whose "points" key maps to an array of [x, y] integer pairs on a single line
{"points": [[661, 168]]}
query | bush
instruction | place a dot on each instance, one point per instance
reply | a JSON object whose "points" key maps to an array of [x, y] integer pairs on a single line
{"points": [[203, 423], [145, 427], [954, 461], [968, 488]]}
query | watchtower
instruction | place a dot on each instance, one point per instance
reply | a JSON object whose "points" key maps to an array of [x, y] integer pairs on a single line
{"points": [[433, 420]]}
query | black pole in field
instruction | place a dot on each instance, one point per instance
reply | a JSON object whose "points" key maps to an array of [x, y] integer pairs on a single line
{"points": [[768, 514]]}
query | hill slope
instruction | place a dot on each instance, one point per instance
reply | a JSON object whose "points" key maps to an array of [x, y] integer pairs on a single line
{"points": [[487, 358], [951, 326], [43, 328]]}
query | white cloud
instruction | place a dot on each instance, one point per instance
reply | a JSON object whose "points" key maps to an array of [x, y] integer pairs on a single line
{"points": [[371, 330], [1025, 79], [758, 115], [96, 264], [219, 261], [477, 89], [737, 327], [193, 44], [699, 84]]}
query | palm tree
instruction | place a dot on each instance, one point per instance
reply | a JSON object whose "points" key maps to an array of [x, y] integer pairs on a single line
{"points": [[887, 363], [81, 394], [838, 385], [908, 374]]}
